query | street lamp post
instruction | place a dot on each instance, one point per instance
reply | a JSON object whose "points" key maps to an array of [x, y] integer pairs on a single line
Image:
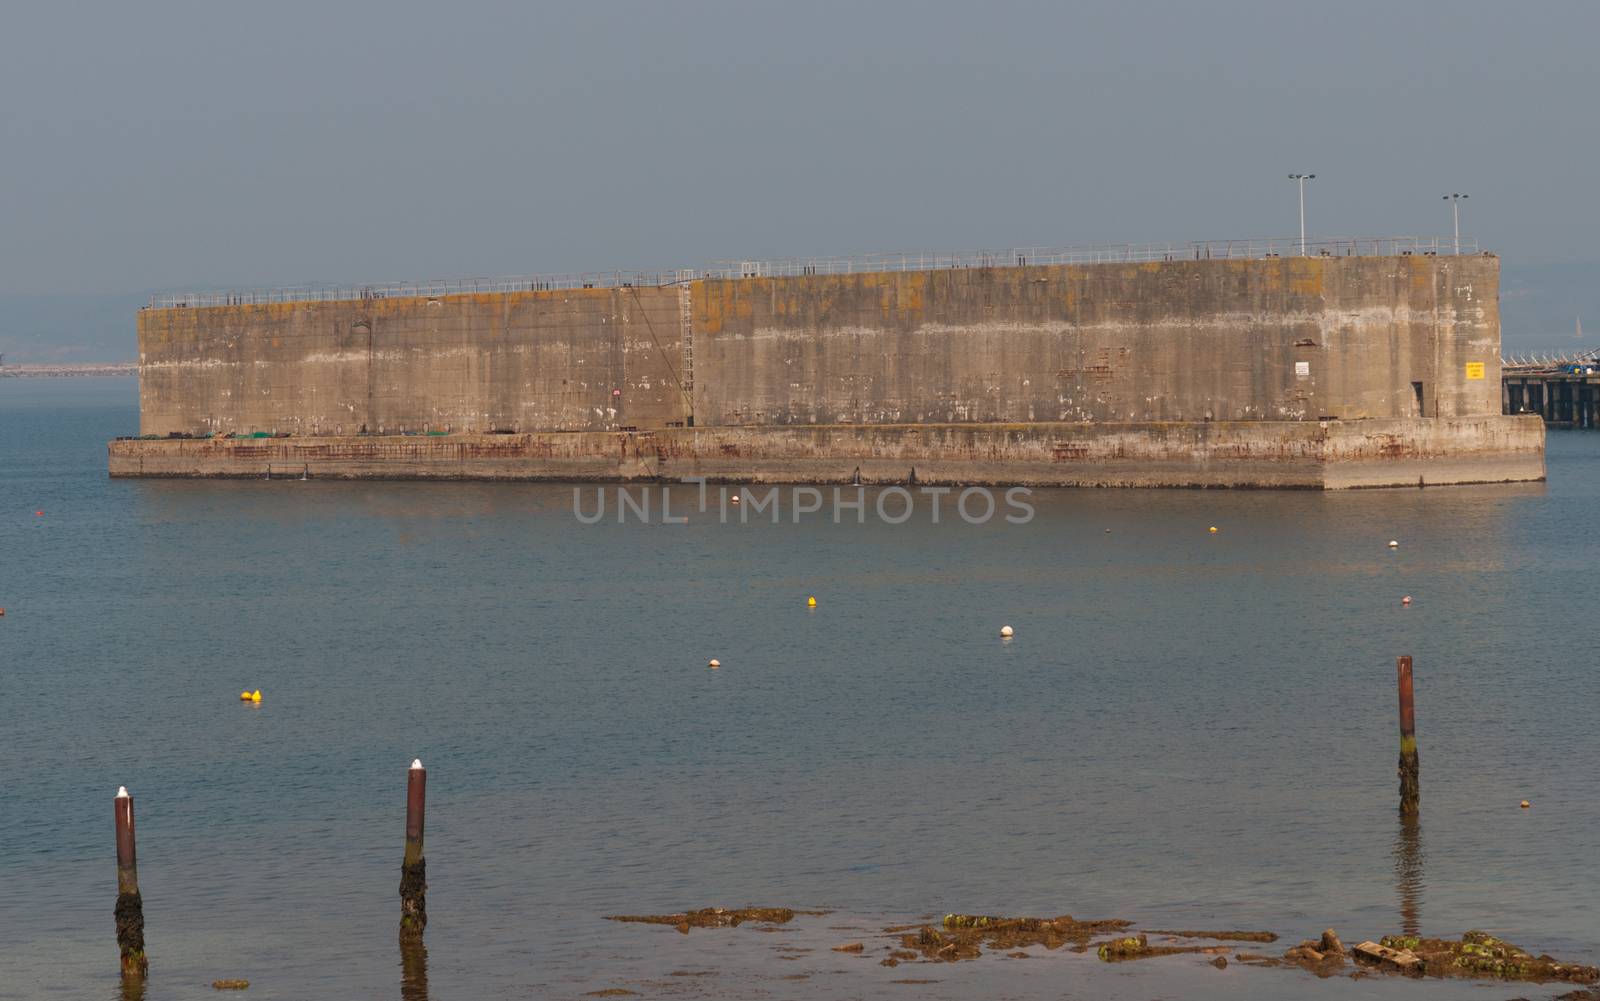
{"points": [[1454, 198], [1302, 178]]}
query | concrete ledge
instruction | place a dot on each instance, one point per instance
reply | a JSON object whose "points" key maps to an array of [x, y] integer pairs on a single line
{"points": [[1273, 454]]}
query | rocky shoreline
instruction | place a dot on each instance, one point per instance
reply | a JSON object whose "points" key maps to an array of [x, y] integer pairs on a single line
{"points": [[65, 371]]}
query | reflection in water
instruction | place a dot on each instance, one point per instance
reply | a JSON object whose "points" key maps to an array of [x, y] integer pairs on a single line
{"points": [[1408, 873], [132, 989], [413, 967]]}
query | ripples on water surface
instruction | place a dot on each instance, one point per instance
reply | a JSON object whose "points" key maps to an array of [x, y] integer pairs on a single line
{"points": [[1189, 730]]}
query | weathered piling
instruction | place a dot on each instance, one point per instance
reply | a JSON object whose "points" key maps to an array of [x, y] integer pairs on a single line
{"points": [[130, 906], [1410, 784], [413, 870]]}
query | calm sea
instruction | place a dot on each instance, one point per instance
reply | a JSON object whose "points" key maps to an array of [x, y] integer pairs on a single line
{"points": [[1189, 729]]}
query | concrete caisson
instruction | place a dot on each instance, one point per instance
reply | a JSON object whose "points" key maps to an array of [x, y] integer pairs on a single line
{"points": [[1306, 371]]}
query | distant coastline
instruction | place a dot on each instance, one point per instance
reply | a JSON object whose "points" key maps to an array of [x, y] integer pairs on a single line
{"points": [[62, 371]]}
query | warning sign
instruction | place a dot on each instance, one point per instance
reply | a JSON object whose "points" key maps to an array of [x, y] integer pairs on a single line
{"points": [[1474, 369]]}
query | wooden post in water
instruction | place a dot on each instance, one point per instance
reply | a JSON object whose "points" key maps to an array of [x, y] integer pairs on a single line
{"points": [[413, 870], [1410, 785], [130, 906]]}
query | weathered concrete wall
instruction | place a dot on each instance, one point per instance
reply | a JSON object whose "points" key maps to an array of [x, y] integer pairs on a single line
{"points": [[1274, 339], [585, 359], [1304, 454], [1277, 339]]}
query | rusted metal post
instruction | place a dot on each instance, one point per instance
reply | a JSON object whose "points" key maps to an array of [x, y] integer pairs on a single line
{"points": [[1410, 786], [130, 906], [413, 870]]}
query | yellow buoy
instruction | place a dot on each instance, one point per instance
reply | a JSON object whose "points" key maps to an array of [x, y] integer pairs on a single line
{"points": [[255, 696], [1526, 804], [1213, 530], [811, 602], [244, 696]]}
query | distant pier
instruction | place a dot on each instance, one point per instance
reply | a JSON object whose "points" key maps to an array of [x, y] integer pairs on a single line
{"points": [[8, 371], [1565, 392]]}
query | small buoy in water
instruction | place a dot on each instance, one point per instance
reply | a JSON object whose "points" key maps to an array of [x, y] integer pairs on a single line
{"points": [[1005, 631], [38, 514], [2, 613], [1526, 804], [255, 696], [1406, 600], [735, 498], [1213, 530], [714, 663], [1394, 544], [244, 696]]}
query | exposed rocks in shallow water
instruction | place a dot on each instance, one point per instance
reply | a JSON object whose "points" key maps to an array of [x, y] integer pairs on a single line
{"points": [[1479, 954], [712, 917], [965, 936], [1138, 947], [1123, 948], [1323, 956]]}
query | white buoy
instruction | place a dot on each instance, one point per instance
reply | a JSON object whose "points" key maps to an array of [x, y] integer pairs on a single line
{"points": [[416, 764], [1394, 544], [714, 664], [1005, 631]]}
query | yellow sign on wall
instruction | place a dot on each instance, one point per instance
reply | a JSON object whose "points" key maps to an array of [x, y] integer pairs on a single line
{"points": [[1474, 369]]}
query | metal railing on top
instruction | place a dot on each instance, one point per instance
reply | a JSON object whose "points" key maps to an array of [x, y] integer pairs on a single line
{"points": [[1386, 246]]}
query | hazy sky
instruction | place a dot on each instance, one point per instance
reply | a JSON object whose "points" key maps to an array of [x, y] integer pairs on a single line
{"points": [[163, 144]]}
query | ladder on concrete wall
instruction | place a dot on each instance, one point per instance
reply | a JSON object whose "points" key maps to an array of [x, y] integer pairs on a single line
{"points": [[686, 339]]}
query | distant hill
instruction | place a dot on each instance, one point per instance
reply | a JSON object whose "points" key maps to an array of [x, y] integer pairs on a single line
{"points": [[76, 329], [1539, 304]]}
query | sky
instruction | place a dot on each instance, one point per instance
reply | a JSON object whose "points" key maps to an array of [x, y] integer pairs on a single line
{"points": [[171, 145]]}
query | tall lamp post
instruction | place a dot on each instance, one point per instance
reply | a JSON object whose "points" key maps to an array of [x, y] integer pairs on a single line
{"points": [[1302, 178], [1454, 199]]}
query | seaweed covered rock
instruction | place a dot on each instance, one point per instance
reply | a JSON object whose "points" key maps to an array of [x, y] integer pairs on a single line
{"points": [[1127, 947], [1479, 954], [965, 936]]}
